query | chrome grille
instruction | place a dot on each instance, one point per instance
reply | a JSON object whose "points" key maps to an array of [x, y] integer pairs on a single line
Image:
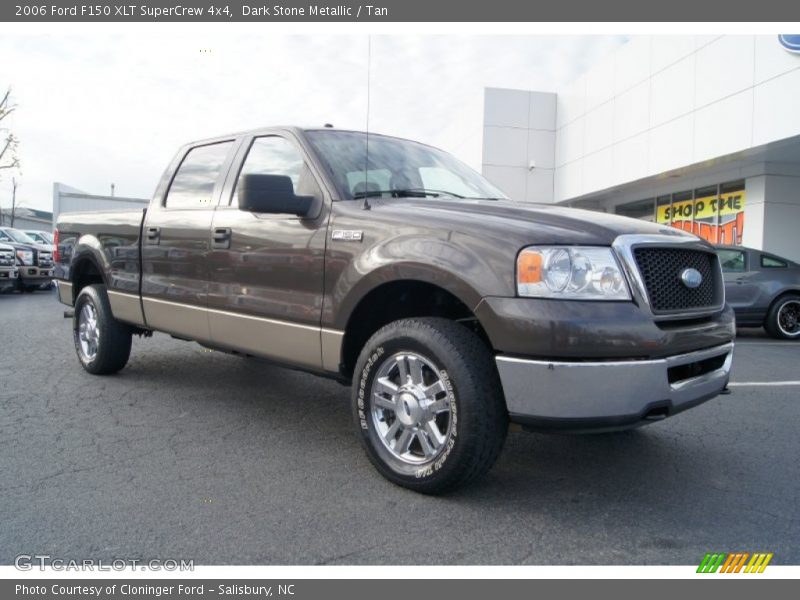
{"points": [[661, 269], [45, 260]]}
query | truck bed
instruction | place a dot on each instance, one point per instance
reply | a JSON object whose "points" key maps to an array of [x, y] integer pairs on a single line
{"points": [[116, 232]]}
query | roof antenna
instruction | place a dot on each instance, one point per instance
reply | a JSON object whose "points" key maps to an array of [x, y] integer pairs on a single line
{"points": [[365, 205]]}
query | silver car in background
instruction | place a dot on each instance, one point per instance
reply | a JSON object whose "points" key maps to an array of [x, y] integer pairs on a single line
{"points": [[763, 289]]}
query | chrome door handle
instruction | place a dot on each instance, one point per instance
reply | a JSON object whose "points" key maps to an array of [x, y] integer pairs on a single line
{"points": [[221, 238]]}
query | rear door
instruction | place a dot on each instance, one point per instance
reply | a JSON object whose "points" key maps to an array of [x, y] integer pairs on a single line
{"points": [[176, 242], [266, 270]]}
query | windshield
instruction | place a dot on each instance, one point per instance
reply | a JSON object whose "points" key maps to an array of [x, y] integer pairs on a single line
{"points": [[19, 237], [396, 168], [41, 236]]}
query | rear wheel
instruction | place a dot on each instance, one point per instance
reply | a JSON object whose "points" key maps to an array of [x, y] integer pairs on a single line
{"points": [[428, 403], [102, 343], [783, 318]]}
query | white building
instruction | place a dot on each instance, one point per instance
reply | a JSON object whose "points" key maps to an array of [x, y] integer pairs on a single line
{"points": [[27, 219], [67, 199], [699, 132]]}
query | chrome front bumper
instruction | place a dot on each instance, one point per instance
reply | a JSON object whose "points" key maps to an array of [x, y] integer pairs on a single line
{"points": [[8, 277], [591, 396], [33, 272]]}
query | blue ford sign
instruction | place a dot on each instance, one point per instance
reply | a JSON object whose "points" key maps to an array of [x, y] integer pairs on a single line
{"points": [[691, 278], [790, 42]]}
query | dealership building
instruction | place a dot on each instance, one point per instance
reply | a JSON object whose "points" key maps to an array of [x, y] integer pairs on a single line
{"points": [[696, 132], [68, 199]]}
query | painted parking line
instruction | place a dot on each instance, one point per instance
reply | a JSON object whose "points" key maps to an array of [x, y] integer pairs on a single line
{"points": [[762, 383], [747, 343]]}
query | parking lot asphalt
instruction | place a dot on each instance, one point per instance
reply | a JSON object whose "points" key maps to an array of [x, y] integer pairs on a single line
{"points": [[193, 454]]}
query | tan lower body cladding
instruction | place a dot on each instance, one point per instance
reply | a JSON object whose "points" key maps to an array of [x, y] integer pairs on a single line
{"points": [[302, 345], [126, 307]]}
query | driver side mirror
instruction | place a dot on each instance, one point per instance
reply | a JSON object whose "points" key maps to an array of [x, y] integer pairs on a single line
{"points": [[272, 194]]}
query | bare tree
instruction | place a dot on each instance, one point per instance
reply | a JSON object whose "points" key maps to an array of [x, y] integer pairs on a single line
{"points": [[9, 160], [8, 141]]}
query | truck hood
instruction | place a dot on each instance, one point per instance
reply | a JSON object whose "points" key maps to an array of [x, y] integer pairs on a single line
{"points": [[519, 223], [21, 246]]}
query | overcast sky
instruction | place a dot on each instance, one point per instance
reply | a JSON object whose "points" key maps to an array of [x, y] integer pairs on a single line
{"points": [[98, 109]]}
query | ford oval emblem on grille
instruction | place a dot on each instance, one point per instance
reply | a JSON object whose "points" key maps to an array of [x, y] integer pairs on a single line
{"points": [[691, 278], [790, 41]]}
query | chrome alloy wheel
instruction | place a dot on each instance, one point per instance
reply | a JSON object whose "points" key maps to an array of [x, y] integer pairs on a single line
{"points": [[88, 331], [411, 407], [789, 318]]}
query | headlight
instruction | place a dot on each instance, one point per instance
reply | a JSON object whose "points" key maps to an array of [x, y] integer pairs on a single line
{"points": [[572, 272], [25, 257]]}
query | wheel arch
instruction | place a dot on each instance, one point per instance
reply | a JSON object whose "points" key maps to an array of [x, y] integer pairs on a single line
{"points": [[781, 295], [395, 299], [85, 270], [778, 298]]}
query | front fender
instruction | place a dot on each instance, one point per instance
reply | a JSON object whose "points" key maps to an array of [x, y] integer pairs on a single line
{"points": [[444, 263]]}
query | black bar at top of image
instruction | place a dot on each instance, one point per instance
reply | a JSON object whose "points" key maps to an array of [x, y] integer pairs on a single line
{"points": [[375, 11]]}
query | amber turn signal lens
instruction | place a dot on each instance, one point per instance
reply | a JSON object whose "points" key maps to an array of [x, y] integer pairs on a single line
{"points": [[529, 267]]}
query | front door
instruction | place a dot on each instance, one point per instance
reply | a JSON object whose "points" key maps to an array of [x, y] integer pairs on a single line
{"points": [[266, 270], [741, 289]]}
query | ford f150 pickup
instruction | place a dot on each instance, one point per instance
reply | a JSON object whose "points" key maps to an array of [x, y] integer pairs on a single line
{"points": [[8, 268], [34, 260], [391, 266]]}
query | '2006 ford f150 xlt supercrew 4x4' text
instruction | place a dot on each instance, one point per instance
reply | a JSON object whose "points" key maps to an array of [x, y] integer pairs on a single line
{"points": [[392, 266]]}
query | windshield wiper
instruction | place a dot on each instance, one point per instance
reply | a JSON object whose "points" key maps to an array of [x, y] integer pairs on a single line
{"points": [[405, 193]]}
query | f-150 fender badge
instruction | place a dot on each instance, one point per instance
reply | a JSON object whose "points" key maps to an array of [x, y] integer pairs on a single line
{"points": [[347, 235]]}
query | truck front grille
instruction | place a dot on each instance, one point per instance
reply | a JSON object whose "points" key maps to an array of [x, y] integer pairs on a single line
{"points": [[661, 270], [45, 260]]}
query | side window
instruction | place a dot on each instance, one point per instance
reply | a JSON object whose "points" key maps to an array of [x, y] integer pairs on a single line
{"points": [[731, 260], [274, 155], [193, 184], [4, 237], [770, 262]]}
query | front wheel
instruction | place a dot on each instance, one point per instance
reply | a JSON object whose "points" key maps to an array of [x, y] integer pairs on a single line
{"points": [[783, 319], [428, 403], [102, 343]]}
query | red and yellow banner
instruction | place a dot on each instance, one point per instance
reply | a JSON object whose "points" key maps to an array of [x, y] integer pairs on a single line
{"points": [[699, 216]]}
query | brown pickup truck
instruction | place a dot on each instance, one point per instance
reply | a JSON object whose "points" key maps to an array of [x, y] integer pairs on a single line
{"points": [[389, 265]]}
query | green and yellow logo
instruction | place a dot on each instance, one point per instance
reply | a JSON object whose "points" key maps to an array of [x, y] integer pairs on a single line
{"points": [[734, 562]]}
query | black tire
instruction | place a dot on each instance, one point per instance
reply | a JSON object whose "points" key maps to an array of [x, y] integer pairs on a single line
{"points": [[476, 417], [113, 341], [783, 318]]}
